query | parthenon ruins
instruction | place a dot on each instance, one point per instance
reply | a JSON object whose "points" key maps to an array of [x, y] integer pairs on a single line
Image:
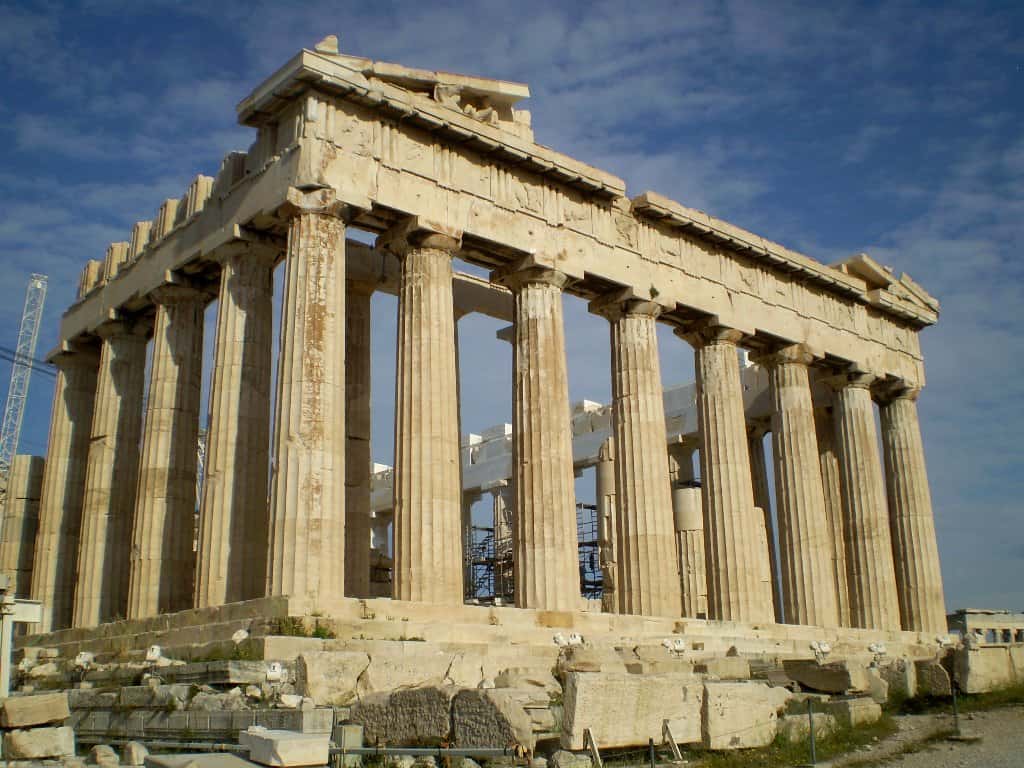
{"points": [[439, 166]]}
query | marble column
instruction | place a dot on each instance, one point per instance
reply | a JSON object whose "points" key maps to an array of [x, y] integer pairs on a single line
{"points": [[734, 575], [689, 527], [804, 534], [111, 476], [307, 507], [428, 489], [762, 501], [233, 516], [547, 573], [60, 503], [162, 559], [358, 296], [832, 486], [21, 523], [648, 583], [870, 571], [604, 492], [912, 524]]}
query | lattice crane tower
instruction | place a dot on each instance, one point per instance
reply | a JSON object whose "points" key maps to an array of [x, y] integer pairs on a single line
{"points": [[21, 369]]}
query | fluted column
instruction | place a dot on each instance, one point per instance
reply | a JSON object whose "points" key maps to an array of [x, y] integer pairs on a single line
{"points": [[307, 506], [804, 534], [233, 517], [648, 566], [689, 526], [870, 572], [912, 524], [735, 585], [101, 593], [60, 502], [358, 296], [604, 492], [832, 486], [162, 559], [428, 521], [762, 501], [547, 555], [21, 522]]}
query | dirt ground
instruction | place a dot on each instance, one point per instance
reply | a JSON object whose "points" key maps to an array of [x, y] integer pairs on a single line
{"points": [[1001, 744]]}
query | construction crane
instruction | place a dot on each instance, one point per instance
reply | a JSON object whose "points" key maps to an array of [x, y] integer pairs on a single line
{"points": [[22, 364]]}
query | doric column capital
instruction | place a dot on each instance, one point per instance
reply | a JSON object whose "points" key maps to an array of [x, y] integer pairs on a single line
{"points": [[889, 391], [706, 332], [178, 292], [528, 272], [416, 232], [758, 428], [851, 379], [618, 304], [791, 354], [74, 356], [323, 201], [259, 250], [360, 287], [112, 329]]}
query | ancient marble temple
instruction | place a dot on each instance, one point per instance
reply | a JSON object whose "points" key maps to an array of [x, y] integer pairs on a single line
{"points": [[440, 166]]}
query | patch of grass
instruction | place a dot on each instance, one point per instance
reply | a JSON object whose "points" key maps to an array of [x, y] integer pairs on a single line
{"points": [[1011, 695], [323, 631], [290, 626], [783, 752]]}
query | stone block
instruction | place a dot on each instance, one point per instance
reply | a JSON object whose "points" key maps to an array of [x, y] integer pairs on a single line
{"points": [[878, 688], [901, 675], [134, 753], [348, 735], [330, 677], [833, 677], [36, 743], [415, 717], [527, 677], [197, 760], [797, 728], [983, 669], [38, 709], [854, 712], [564, 759], [724, 668], [740, 715], [103, 755], [625, 710], [285, 748], [485, 718], [932, 678]]}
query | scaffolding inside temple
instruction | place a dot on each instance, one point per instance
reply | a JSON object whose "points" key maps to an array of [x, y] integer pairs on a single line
{"points": [[488, 563]]}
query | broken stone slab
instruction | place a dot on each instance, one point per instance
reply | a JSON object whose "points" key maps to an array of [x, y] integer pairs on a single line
{"points": [[724, 668], [853, 712], [797, 728], [878, 688], [197, 760], [103, 755], [495, 717], [901, 675], [134, 753], [527, 677], [37, 743], [623, 710], [983, 669], [587, 659], [564, 759], [833, 677], [330, 677], [285, 748], [932, 678], [414, 717], [741, 715], [37, 709]]}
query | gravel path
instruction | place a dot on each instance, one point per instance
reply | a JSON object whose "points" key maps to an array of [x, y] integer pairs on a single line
{"points": [[1001, 745]]}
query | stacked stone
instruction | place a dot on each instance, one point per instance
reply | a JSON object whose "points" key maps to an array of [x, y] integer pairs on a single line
{"points": [[33, 727]]}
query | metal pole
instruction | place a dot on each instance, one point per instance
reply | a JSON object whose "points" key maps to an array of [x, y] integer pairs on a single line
{"points": [[650, 749], [810, 726], [956, 711]]}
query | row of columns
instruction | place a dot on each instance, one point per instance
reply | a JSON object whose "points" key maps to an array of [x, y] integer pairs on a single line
{"points": [[310, 539]]}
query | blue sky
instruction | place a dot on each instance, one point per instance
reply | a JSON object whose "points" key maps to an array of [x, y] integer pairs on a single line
{"points": [[834, 128]]}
